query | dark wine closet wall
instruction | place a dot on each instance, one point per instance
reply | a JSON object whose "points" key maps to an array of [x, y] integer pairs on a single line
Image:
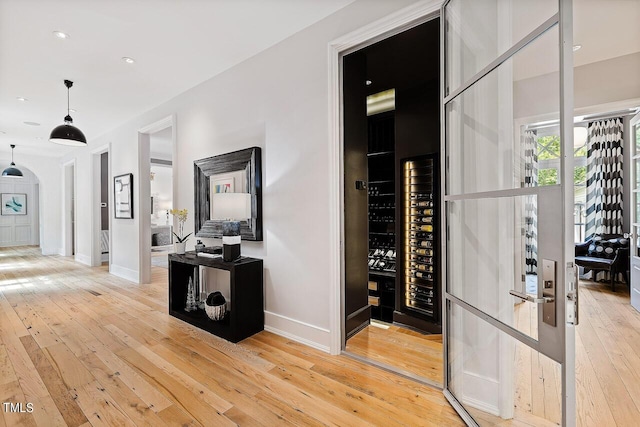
{"points": [[408, 62]]}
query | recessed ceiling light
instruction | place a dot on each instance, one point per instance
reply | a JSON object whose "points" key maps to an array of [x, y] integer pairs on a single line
{"points": [[71, 110], [32, 123], [128, 60], [368, 82], [61, 35], [577, 47], [22, 99]]}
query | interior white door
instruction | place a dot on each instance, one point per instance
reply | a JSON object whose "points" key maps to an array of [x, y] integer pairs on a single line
{"points": [[509, 355], [634, 208]]}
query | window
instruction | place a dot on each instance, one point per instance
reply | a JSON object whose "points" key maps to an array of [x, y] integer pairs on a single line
{"points": [[548, 150]]}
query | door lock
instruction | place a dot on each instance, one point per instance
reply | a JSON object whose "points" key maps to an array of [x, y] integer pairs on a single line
{"points": [[530, 298], [548, 299]]}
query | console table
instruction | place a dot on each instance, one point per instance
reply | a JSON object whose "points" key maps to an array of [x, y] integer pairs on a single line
{"points": [[245, 310]]}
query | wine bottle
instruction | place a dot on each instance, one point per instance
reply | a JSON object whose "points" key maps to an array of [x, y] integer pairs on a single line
{"points": [[427, 252]]}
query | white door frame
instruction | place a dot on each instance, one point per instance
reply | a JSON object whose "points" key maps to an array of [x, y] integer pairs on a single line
{"points": [[96, 209], [69, 189], [144, 190], [386, 27]]}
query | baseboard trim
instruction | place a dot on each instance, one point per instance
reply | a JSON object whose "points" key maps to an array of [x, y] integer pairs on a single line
{"points": [[124, 273], [298, 331], [83, 259], [51, 251]]}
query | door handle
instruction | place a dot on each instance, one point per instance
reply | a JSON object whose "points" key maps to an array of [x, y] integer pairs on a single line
{"points": [[529, 298]]}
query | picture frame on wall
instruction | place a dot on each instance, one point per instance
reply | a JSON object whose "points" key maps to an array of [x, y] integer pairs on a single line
{"points": [[14, 204], [123, 196], [222, 185]]}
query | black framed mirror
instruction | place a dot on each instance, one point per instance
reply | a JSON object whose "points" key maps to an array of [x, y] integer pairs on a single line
{"points": [[239, 172]]}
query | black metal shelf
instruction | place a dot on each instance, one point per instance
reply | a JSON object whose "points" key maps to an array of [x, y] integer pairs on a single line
{"points": [[380, 153]]}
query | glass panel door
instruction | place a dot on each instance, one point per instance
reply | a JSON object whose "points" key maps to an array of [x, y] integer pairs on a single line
{"points": [[634, 268], [508, 249]]}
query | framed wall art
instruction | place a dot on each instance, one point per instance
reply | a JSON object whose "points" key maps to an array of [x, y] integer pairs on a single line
{"points": [[123, 196], [14, 204]]}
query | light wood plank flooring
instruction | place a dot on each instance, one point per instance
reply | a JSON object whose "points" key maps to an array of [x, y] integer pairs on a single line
{"points": [[401, 349], [86, 348], [607, 357], [607, 363]]}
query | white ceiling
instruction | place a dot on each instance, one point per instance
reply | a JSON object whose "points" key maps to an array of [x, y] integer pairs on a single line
{"points": [[605, 30], [176, 45]]}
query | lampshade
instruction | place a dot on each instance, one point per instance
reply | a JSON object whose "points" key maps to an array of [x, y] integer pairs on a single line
{"points": [[234, 206], [164, 205], [12, 171], [67, 133], [579, 136]]}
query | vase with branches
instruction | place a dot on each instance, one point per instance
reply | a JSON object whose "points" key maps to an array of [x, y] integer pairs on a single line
{"points": [[181, 216]]}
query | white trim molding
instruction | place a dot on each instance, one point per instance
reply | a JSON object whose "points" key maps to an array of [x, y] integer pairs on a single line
{"points": [[124, 273], [293, 329], [388, 26]]}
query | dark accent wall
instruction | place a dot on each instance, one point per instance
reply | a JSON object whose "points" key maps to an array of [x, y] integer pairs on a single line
{"points": [[356, 209], [408, 62]]}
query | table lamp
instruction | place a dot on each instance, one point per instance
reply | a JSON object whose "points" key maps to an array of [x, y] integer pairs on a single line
{"points": [[231, 208]]}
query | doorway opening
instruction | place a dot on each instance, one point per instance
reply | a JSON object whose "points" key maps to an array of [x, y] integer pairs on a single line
{"points": [[156, 154], [391, 96], [161, 181]]}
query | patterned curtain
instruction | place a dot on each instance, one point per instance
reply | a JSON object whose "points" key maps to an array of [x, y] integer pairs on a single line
{"points": [[531, 206], [604, 178]]}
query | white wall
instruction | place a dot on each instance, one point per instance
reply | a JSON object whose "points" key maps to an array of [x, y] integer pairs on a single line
{"points": [[277, 100], [161, 191], [599, 83]]}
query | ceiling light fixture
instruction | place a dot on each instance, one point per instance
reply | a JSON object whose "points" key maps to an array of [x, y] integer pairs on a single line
{"points": [[21, 99], [67, 133], [577, 47], [61, 35], [31, 123], [12, 171], [128, 60]]}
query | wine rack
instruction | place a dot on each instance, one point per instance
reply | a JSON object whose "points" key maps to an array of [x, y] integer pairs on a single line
{"points": [[421, 292], [382, 216]]}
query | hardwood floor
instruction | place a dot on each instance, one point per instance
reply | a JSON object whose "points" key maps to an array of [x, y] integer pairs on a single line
{"points": [[87, 348], [401, 348], [607, 363], [607, 357]]}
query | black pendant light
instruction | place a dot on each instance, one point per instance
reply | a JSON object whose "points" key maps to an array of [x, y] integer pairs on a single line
{"points": [[12, 171], [68, 134]]}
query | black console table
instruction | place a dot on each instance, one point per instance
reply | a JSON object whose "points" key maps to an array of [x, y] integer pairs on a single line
{"points": [[245, 315]]}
